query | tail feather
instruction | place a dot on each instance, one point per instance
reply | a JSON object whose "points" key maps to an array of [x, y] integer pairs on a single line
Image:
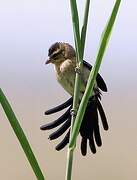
{"points": [[64, 142], [59, 107], [89, 129], [92, 145], [90, 125], [61, 130], [89, 119], [84, 146], [58, 121], [102, 115], [96, 130]]}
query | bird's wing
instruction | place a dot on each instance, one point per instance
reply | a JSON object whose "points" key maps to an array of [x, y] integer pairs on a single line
{"points": [[59, 107], [100, 82]]}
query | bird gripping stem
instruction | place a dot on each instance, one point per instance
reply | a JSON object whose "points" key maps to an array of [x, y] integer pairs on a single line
{"points": [[78, 68]]}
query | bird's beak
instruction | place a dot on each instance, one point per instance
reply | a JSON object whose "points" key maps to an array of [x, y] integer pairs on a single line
{"points": [[48, 61]]}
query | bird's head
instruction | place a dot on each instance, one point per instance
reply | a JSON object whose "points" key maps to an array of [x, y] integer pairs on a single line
{"points": [[59, 52]]}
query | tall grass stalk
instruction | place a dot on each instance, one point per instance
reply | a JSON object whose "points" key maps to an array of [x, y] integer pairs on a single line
{"points": [[92, 77], [75, 22], [84, 27], [21, 136], [79, 39]]}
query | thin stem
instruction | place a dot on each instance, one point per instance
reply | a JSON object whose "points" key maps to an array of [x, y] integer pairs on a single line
{"points": [[21, 136], [92, 77], [84, 27], [79, 46], [69, 164], [76, 31]]}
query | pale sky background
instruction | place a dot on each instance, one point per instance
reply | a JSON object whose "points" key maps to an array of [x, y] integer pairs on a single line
{"points": [[27, 30]]}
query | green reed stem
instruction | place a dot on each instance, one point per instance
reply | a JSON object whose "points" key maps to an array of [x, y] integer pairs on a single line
{"points": [[76, 31], [79, 46], [21, 136], [75, 22], [84, 27], [92, 77]]}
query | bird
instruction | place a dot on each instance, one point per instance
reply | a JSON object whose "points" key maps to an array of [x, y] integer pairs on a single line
{"points": [[63, 56]]}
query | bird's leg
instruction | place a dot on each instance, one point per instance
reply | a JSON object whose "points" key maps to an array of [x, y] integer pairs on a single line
{"points": [[77, 69], [73, 113]]}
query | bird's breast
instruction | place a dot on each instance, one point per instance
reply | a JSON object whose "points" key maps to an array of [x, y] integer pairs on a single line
{"points": [[66, 75]]}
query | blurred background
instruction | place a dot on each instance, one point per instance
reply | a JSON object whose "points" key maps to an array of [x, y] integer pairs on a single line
{"points": [[27, 30]]}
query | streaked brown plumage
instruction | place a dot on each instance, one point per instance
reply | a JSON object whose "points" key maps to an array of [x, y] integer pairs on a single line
{"points": [[63, 56]]}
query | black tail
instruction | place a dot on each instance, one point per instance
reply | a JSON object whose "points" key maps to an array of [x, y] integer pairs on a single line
{"points": [[90, 125], [89, 130]]}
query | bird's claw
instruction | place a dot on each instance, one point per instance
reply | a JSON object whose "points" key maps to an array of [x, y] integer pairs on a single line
{"points": [[73, 113], [77, 70]]}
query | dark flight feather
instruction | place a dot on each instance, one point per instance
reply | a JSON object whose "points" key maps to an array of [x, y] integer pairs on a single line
{"points": [[59, 107], [100, 82], [57, 122], [61, 130], [64, 142]]}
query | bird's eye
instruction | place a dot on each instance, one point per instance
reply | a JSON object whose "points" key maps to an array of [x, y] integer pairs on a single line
{"points": [[54, 56]]}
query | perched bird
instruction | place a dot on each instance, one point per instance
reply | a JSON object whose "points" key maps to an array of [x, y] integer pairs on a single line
{"points": [[63, 56]]}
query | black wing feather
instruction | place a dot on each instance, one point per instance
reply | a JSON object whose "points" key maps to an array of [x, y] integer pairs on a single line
{"points": [[61, 130], [64, 142], [57, 122], [100, 82], [59, 107]]}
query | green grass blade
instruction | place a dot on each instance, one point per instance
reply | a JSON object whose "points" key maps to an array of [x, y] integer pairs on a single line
{"points": [[76, 31], [21, 136], [79, 59], [93, 74], [84, 27]]}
